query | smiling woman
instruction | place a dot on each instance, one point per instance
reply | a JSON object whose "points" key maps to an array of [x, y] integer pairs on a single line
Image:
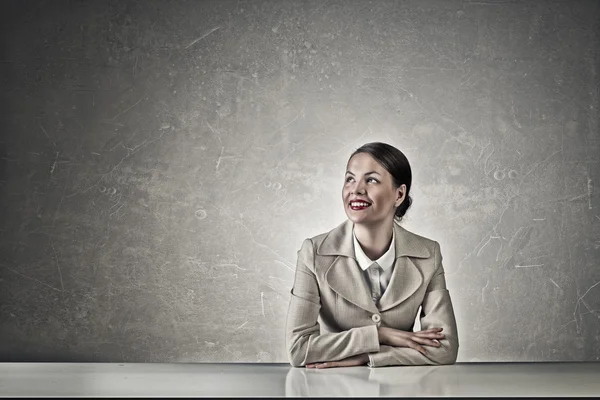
{"points": [[367, 278]]}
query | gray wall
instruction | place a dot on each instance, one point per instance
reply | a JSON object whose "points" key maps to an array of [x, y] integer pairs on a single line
{"points": [[162, 161]]}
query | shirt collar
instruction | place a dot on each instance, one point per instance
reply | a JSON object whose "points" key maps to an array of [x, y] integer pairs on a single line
{"points": [[385, 261]]}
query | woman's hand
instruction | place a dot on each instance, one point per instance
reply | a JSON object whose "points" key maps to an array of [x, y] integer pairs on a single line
{"points": [[414, 340], [353, 361]]}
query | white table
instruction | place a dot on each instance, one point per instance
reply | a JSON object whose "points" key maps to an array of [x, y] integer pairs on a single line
{"points": [[249, 380]]}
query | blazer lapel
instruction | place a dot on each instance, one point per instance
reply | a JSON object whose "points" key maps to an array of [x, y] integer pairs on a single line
{"points": [[345, 277], [406, 280]]}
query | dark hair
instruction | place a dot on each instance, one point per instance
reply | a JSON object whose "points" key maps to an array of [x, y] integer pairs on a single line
{"points": [[396, 163]]}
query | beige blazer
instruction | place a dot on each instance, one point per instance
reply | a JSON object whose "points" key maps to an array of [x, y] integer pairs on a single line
{"points": [[331, 314]]}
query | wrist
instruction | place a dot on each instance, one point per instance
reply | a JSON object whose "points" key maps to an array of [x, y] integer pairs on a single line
{"points": [[365, 358], [381, 335]]}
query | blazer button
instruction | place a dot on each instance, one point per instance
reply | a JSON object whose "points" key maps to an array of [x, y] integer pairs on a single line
{"points": [[376, 318]]}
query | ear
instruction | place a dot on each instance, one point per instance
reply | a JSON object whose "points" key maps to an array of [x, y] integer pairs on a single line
{"points": [[401, 194]]}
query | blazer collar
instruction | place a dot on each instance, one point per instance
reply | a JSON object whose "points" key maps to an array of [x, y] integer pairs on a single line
{"points": [[386, 261], [345, 277], [339, 241]]}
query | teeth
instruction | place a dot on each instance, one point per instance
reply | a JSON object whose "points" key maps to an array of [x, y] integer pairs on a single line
{"points": [[359, 204]]}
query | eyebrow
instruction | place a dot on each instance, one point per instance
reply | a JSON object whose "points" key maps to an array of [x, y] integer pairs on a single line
{"points": [[367, 173]]}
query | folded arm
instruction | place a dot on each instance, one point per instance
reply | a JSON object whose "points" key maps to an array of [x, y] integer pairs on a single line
{"points": [[437, 312], [305, 344]]}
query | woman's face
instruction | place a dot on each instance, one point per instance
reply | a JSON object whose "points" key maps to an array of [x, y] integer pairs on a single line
{"points": [[367, 180]]}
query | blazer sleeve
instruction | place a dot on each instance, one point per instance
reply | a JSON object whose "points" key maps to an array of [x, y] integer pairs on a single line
{"points": [[437, 312], [304, 341]]}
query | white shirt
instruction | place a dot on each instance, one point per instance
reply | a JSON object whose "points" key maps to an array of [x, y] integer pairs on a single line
{"points": [[377, 278]]}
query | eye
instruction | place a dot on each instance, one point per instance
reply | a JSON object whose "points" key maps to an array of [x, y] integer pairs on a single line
{"points": [[349, 177]]}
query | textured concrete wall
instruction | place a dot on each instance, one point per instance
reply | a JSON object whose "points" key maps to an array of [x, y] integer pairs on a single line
{"points": [[162, 161]]}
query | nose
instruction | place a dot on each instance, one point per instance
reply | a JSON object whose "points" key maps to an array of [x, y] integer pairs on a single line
{"points": [[359, 188]]}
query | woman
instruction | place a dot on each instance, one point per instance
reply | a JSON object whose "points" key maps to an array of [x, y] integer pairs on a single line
{"points": [[366, 279]]}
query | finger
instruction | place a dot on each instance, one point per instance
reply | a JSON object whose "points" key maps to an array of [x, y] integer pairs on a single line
{"points": [[435, 331], [422, 350], [430, 335], [414, 345], [311, 365], [428, 342], [325, 365]]}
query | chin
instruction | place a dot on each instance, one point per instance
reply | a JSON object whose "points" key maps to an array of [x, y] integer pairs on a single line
{"points": [[355, 219]]}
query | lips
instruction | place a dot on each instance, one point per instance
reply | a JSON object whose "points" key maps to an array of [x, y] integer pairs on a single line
{"points": [[359, 200], [359, 207]]}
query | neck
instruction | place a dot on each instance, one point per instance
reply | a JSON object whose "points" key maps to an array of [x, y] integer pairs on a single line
{"points": [[374, 239]]}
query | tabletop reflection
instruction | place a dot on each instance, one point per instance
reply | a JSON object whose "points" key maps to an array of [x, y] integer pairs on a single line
{"points": [[364, 381]]}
